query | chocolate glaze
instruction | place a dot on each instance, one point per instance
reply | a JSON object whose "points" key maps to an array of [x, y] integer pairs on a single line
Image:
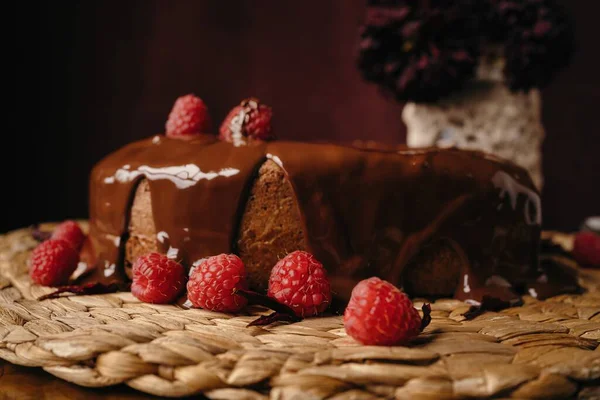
{"points": [[366, 211]]}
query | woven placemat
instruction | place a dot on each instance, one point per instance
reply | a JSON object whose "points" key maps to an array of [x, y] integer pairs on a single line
{"points": [[544, 349]]}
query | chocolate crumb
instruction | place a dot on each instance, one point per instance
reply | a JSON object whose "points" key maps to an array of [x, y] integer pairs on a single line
{"points": [[426, 320], [282, 312]]}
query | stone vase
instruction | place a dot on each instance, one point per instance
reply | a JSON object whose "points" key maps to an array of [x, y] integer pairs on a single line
{"points": [[485, 116]]}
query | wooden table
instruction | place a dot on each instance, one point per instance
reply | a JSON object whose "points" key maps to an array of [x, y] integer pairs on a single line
{"points": [[22, 383]]}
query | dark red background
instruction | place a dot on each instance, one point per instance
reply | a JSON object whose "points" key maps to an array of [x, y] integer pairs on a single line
{"points": [[92, 76]]}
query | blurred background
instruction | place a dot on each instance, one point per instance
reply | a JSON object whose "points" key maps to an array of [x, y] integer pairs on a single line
{"points": [[92, 76]]}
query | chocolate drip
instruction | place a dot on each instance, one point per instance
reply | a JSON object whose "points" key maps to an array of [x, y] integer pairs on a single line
{"points": [[365, 212]]}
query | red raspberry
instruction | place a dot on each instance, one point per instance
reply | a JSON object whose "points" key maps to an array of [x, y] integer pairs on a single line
{"points": [[380, 314], [53, 262], [188, 118], [250, 119], [212, 284], [71, 233], [586, 249], [157, 279], [299, 281]]}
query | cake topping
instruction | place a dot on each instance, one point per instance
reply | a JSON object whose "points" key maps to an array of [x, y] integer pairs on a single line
{"points": [[188, 118], [53, 262], [70, 232], [157, 279], [299, 281], [586, 249], [251, 119], [380, 314], [214, 282]]}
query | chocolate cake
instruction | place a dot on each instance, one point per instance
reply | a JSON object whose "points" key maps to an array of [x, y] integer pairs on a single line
{"points": [[435, 221]]}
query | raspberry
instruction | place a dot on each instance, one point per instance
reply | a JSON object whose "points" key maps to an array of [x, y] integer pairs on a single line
{"points": [[213, 283], [380, 314], [250, 119], [299, 281], [71, 233], [586, 249], [188, 118], [53, 262], [157, 279]]}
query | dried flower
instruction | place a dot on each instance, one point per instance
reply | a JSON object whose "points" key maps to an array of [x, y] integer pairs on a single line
{"points": [[423, 50], [538, 40], [416, 51]]}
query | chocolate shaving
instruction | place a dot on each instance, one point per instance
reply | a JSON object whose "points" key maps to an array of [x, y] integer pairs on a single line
{"points": [[40, 235], [488, 303], [426, 316], [282, 312], [473, 312], [89, 288], [274, 317], [549, 248]]}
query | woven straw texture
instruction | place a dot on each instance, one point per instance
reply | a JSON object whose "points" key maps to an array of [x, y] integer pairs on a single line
{"points": [[544, 349]]}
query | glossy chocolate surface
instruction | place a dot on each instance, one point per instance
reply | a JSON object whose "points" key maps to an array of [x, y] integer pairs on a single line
{"points": [[366, 212]]}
